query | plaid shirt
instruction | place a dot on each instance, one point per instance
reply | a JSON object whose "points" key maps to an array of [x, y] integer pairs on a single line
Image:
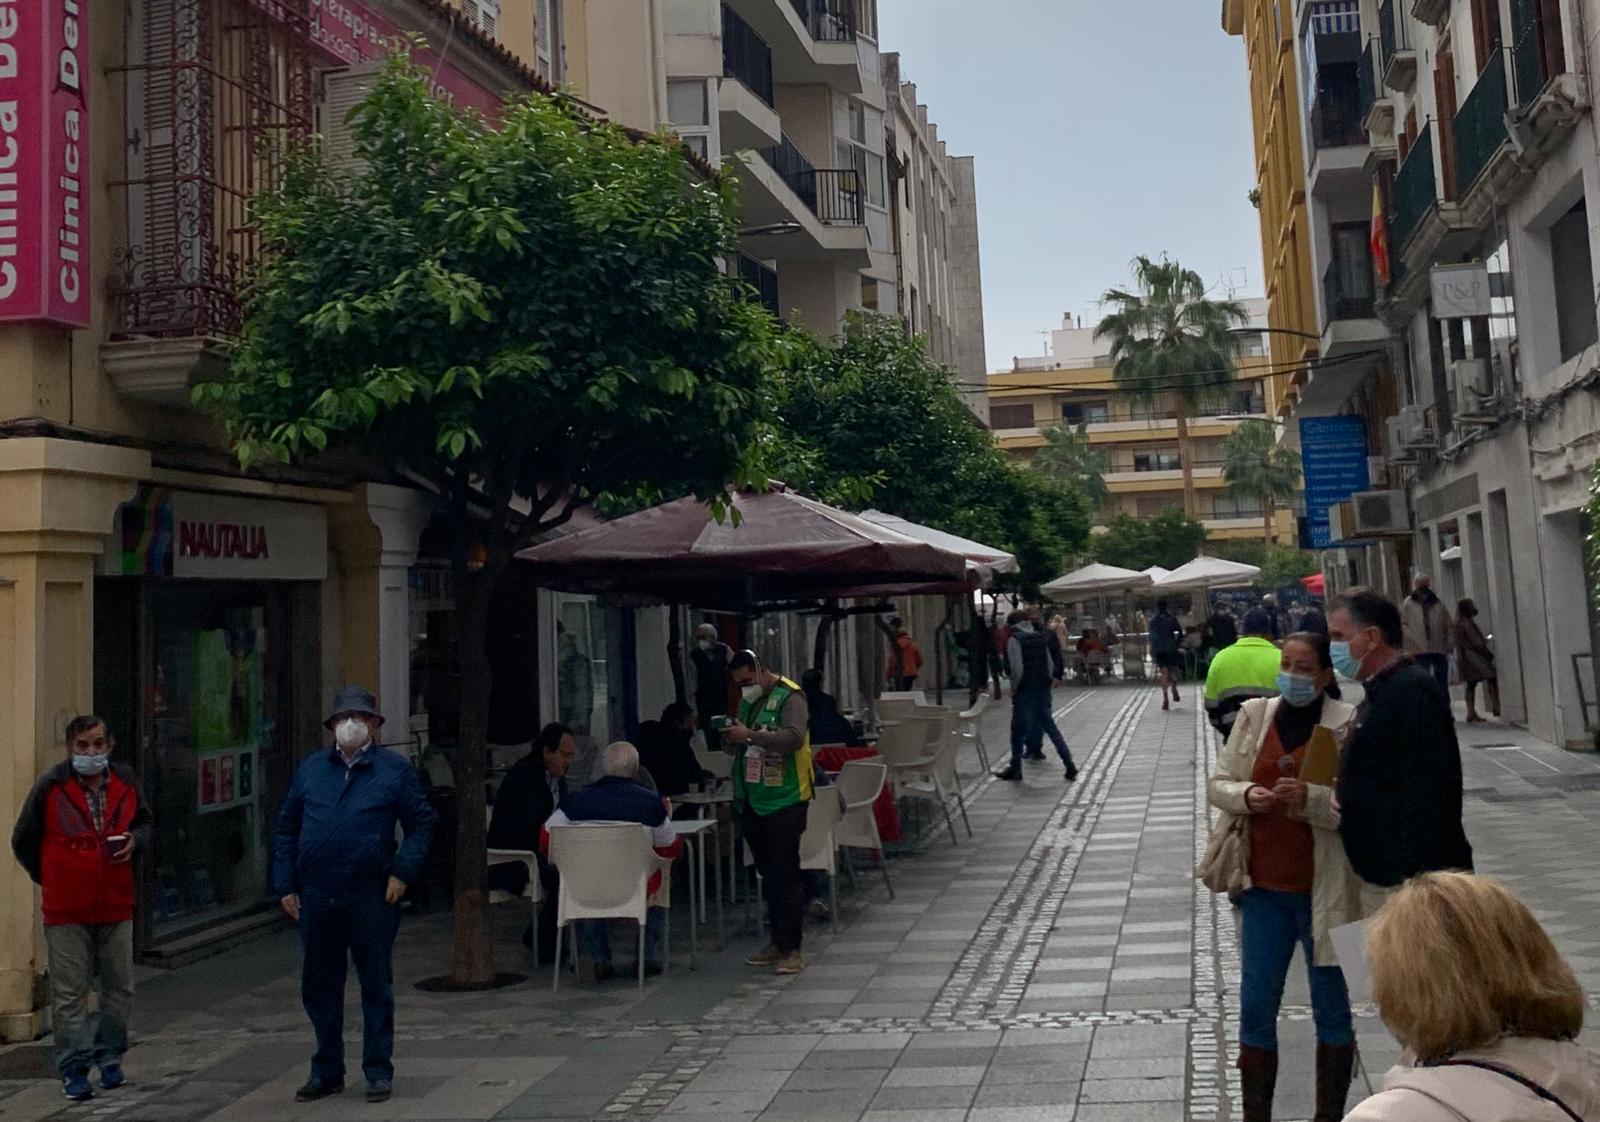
{"points": [[96, 798]]}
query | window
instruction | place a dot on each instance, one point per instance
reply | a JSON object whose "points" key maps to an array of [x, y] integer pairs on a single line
{"points": [[1233, 506], [1149, 506], [1011, 416], [689, 112], [1162, 460], [854, 151], [484, 13], [1086, 412], [1569, 260], [546, 40], [869, 294]]}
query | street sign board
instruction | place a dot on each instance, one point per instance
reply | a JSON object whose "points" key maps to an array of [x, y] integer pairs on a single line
{"points": [[1333, 456]]}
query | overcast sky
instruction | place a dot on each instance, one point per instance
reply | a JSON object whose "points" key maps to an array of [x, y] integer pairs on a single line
{"points": [[1101, 130]]}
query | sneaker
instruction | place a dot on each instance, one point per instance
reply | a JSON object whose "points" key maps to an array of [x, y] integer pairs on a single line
{"points": [[1175, 697], [818, 910], [790, 964], [316, 1088], [1072, 772], [111, 1076], [1165, 704], [1010, 774], [77, 1087], [771, 956], [379, 1090]]}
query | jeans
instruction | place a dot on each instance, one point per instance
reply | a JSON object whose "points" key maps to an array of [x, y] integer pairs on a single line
{"points": [[1031, 721], [597, 938], [81, 954], [774, 841], [1273, 923], [1438, 665], [359, 928]]}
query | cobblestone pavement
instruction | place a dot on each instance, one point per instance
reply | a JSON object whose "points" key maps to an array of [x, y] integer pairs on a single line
{"points": [[1061, 963]]}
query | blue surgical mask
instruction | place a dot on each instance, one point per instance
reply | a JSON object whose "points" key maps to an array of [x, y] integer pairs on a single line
{"points": [[1344, 662], [1297, 689], [92, 763]]}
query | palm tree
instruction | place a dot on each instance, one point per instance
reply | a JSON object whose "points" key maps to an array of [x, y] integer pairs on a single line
{"points": [[1256, 466], [1168, 339], [1068, 456]]}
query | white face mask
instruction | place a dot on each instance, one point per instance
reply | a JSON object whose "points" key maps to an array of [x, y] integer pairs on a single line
{"points": [[705, 644], [352, 732], [752, 692]]}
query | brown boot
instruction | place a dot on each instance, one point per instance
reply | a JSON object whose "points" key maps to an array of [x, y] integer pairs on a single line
{"points": [[1335, 1063], [1258, 1076]]}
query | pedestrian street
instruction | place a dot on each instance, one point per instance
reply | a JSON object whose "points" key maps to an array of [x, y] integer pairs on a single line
{"points": [[1061, 964]]}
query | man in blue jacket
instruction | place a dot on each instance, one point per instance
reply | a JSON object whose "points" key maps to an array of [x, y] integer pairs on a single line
{"points": [[340, 876]]}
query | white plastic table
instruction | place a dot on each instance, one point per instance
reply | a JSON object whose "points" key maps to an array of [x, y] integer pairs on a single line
{"points": [[695, 833]]}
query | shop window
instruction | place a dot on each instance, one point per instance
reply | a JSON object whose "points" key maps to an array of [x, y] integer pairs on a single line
{"points": [[595, 693], [1574, 281]]}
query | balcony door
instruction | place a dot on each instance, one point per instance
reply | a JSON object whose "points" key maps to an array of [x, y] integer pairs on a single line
{"points": [[1444, 97]]}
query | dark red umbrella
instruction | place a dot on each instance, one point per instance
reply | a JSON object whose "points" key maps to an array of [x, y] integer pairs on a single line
{"points": [[783, 546]]}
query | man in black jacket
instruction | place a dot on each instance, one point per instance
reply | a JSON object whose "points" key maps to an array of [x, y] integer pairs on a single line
{"points": [[530, 793], [1400, 783]]}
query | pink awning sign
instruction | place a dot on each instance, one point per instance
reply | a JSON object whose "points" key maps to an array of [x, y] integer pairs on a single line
{"points": [[44, 162]]}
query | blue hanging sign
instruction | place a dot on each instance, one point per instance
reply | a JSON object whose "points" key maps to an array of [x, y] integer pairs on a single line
{"points": [[1333, 455]]}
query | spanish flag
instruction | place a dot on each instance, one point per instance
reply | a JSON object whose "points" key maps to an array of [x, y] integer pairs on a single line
{"points": [[1380, 237]]}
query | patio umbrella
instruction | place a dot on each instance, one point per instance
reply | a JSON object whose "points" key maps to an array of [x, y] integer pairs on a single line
{"points": [[1316, 584], [1156, 572], [1091, 579], [1205, 573], [983, 561], [783, 546]]}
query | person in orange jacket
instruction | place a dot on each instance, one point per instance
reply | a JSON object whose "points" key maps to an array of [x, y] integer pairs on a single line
{"points": [[905, 658]]}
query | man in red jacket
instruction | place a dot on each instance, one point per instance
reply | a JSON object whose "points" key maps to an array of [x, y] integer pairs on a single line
{"points": [[77, 834]]}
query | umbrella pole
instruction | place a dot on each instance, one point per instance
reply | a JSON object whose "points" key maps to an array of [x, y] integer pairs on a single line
{"points": [[680, 686]]}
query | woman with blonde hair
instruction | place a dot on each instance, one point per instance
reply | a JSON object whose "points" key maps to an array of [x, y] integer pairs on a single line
{"points": [[1472, 986], [1292, 881]]}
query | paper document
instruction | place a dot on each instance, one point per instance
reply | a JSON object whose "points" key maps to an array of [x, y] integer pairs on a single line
{"points": [[1321, 764], [1350, 944]]}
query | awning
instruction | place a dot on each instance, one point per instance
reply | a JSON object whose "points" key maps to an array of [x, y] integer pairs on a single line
{"points": [[983, 561], [1093, 579], [1208, 572]]}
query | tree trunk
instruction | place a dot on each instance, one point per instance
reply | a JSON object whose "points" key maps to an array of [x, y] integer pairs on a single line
{"points": [[1182, 416], [1267, 520], [680, 687], [472, 960]]}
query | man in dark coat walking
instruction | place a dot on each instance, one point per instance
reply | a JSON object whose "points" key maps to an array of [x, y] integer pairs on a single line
{"points": [[340, 876]]}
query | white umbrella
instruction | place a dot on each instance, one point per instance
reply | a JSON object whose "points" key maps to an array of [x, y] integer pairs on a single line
{"points": [[1092, 579], [1156, 573], [985, 560], [1208, 572]]}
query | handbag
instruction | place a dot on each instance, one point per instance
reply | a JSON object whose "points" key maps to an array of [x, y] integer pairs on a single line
{"points": [[1226, 864]]}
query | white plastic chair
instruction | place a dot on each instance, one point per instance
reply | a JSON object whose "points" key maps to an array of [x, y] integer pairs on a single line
{"points": [[860, 783], [818, 848], [970, 729], [533, 892], [932, 778], [605, 874]]}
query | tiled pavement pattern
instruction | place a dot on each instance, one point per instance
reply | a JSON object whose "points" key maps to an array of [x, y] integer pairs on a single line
{"points": [[1061, 964]]}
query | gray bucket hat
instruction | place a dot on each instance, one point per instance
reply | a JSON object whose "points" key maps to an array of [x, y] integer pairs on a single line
{"points": [[353, 699]]}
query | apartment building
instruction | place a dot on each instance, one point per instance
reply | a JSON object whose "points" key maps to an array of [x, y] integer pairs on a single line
{"points": [[1459, 140], [1074, 385]]}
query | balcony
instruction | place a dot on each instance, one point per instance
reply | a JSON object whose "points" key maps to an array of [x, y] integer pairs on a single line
{"points": [[832, 194], [1399, 60], [814, 43], [1480, 124], [1416, 191], [1377, 109], [1336, 113], [781, 186], [1435, 12], [1339, 142], [763, 282], [1349, 300], [1548, 100], [745, 98]]}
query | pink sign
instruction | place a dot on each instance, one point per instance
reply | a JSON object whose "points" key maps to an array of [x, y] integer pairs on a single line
{"points": [[353, 33], [44, 162]]}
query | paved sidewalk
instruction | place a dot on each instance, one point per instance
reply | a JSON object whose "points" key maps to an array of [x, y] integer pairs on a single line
{"points": [[1060, 964]]}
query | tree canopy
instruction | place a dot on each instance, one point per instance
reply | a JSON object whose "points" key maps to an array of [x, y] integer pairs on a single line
{"points": [[869, 420], [527, 316], [1167, 539], [1257, 467], [1069, 457]]}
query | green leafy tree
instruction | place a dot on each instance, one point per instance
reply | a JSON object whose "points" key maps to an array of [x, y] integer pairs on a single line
{"points": [[529, 317], [1255, 466], [1170, 342], [868, 420], [1168, 539], [1284, 565], [1068, 456]]}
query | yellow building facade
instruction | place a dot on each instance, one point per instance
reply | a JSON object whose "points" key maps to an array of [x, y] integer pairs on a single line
{"points": [[1268, 30], [206, 613]]}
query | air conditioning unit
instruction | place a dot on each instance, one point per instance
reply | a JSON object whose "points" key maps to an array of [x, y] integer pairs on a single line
{"points": [[1341, 522], [1394, 442], [1379, 513], [1476, 399], [1416, 432]]}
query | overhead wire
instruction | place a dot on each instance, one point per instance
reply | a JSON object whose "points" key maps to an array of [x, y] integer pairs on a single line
{"points": [[1172, 381]]}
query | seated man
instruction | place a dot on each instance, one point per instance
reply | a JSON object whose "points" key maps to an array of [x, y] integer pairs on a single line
{"points": [[666, 750], [826, 724], [1094, 653], [528, 795], [618, 796]]}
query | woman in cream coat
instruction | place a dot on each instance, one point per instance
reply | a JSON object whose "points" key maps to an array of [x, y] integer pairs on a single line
{"points": [[1298, 884]]}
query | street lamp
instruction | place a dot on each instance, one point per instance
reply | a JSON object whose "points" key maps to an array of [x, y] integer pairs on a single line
{"points": [[1275, 331]]}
